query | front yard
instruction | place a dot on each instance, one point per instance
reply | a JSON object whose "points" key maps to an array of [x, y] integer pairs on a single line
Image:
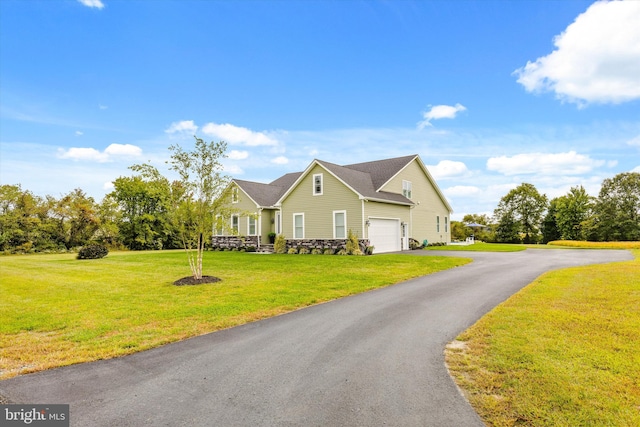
{"points": [[57, 310]]}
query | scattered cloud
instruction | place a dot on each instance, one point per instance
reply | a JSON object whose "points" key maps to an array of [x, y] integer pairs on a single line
{"points": [[448, 169], [635, 142], [237, 135], [238, 155], [440, 112], [92, 3], [108, 186], [570, 163], [185, 126], [233, 170], [280, 160], [79, 133], [462, 191], [597, 58], [636, 169], [93, 155], [103, 107]]}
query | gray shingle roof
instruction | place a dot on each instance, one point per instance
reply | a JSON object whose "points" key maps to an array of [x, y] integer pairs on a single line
{"points": [[364, 178]]}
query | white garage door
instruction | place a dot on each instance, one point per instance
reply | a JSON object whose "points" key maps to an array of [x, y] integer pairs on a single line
{"points": [[384, 234]]}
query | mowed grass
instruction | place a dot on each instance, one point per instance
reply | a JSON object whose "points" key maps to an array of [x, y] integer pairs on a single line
{"points": [[564, 351], [56, 310]]}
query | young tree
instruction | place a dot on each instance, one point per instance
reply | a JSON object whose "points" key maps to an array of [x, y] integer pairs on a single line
{"points": [[519, 213], [204, 194]]}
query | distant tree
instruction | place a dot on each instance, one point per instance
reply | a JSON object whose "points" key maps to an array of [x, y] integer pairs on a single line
{"points": [[21, 216], [145, 210], [110, 216], [459, 231], [617, 209], [571, 212], [485, 233], [519, 215], [549, 223]]}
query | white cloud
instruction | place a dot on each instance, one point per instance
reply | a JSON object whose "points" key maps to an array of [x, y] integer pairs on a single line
{"points": [[76, 153], [103, 107], [93, 155], [233, 169], [126, 150], [635, 142], [570, 163], [237, 135], [636, 169], [108, 186], [183, 127], [238, 155], [440, 112], [462, 191], [92, 3], [281, 160], [448, 169], [79, 133], [597, 58]]}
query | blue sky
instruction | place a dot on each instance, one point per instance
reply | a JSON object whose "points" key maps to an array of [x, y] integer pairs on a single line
{"points": [[490, 94]]}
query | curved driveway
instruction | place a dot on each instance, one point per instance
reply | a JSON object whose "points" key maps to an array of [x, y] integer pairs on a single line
{"points": [[370, 359]]}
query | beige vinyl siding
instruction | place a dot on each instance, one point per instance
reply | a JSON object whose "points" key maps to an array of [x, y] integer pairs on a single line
{"points": [[243, 206], [428, 205], [318, 209]]}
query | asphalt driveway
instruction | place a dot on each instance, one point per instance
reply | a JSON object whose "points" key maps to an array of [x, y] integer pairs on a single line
{"points": [[370, 359]]}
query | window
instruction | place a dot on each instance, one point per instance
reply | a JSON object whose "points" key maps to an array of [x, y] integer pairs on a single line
{"points": [[234, 195], [278, 223], [235, 224], [298, 226], [438, 223], [446, 224], [317, 184], [251, 226], [339, 224], [406, 189]]}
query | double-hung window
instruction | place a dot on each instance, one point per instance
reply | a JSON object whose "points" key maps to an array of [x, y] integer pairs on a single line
{"points": [[438, 223], [339, 224], [317, 184], [446, 224], [251, 225], [406, 189], [235, 224], [298, 226]]}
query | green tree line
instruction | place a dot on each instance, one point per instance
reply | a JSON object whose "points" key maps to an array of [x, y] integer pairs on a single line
{"points": [[140, 212], [526, 216]]}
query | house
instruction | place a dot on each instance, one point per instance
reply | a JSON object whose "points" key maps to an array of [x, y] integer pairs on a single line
{"points": [[384, 202]]}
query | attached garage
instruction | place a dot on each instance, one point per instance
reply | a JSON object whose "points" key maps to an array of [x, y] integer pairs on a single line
{"points": [[384, 235]]}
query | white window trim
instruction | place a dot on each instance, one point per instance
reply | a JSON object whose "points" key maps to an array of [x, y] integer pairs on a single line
{"points": [[255, 226], [406, 188], [294, 225], [335, 235], [234, 229], [318, 193]]}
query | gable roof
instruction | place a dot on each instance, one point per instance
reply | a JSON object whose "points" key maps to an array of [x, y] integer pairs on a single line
{"points": [[364, 179]]}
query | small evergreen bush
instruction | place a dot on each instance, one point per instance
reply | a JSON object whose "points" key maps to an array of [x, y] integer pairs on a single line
{"points": [[303, 251], [280, 245], [93, 252], [292, 251]]}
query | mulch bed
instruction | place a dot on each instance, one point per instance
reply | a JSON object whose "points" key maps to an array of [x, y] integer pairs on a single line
{"points": [[191, 281]]}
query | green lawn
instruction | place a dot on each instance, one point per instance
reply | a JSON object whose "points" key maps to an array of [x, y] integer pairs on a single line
{"points": [[57, 310], [564, 351]]}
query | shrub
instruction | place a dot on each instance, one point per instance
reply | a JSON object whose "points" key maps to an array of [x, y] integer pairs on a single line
{"points": [[352, 246], [316, 251], [292, 251], [280, 245], [369, 250], [328, 251], [303, 251], [93, 252], [342, 251]]}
